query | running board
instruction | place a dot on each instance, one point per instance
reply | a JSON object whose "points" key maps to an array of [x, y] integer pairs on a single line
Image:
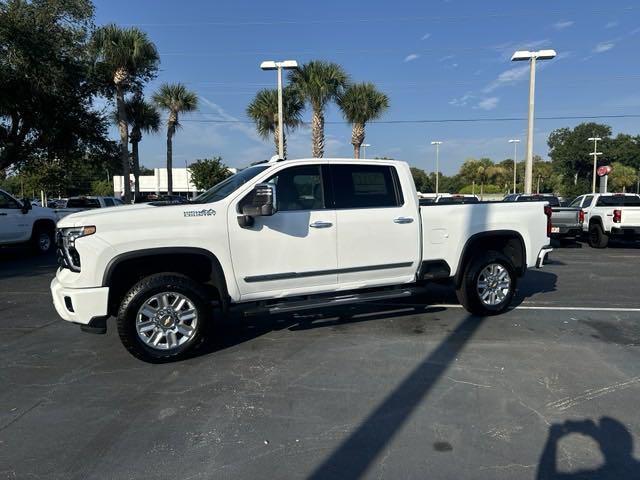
{"points": [[333, 301]]}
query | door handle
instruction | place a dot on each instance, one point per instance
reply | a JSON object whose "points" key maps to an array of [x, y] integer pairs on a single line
{"points": [[321, 224], [403, 220]]}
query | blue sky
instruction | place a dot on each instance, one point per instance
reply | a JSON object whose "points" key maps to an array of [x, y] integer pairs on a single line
{"points": [[436, 60]]}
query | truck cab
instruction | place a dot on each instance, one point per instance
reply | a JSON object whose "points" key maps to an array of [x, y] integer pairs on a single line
{"points": [[23, 223]]}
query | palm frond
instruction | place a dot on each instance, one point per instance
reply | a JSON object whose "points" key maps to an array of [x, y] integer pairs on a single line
{"points": [[362, 102]]}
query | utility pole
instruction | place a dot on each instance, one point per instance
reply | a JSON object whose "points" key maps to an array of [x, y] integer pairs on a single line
{"points": [[279, 66], [515, 142], [595, 154], [437, 144], [532, 57]]}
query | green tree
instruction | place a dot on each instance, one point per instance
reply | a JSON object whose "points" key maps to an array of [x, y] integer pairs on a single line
{"points": [[624, 149], [46, 96], [142, 116], [205, 173], [622, 177], [102, 188], [263, 110], [318, 83], [124, 59], [569, 150], [175, 98], [360, 103], [422, 180]]}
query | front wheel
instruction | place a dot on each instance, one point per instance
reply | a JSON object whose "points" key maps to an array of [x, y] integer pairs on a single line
{"points": [[164, 317], [488, 284]]}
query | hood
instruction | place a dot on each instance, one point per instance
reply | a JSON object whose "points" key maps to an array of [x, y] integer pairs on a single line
{"points": [[137, 216]]}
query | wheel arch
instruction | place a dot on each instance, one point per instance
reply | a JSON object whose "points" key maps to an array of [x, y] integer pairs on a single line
{"points": [[124, 270], [508, 242]]}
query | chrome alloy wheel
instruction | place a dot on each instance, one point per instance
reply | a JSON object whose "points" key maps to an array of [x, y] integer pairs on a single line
{"points": [[166, 321], [493, 285], [44, 242]]}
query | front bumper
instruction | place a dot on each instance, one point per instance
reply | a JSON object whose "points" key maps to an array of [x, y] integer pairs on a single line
{"points": [[544, 251], [79, 305]]}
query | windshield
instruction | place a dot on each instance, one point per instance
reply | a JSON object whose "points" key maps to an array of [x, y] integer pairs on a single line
{"points": [[230, 185]]}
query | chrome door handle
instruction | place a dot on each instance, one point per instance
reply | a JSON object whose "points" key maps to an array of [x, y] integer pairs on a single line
{"points": [[403, 220], [320, 224]]}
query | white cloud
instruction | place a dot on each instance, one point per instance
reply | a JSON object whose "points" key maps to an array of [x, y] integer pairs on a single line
{"points": [[426, 36], [611, 24], [411, 57], [603, 47], [488, 103], [508, 77], [563, 25], [461, 101], [446, 57]]}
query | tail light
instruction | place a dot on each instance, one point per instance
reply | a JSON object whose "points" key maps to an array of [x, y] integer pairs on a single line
{"points": [[547, 212], [617, 216], [581, 216]]}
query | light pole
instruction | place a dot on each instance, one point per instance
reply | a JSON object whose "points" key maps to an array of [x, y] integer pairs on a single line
{"points": [[437, 144], [532, 57], [279, 66], [595, 154], [515, 142], [364, 150]]}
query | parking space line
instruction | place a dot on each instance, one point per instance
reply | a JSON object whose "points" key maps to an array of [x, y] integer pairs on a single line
{"points": [[533, 307]]}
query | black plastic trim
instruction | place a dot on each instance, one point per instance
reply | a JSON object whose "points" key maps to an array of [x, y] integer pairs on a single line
{"points": [[434, 269], [97, 325], [315, 273]]}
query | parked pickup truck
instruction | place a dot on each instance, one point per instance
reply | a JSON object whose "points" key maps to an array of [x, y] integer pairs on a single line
{"points": [[22, 223], [79, 204], [566, 222], [281, 236], [609, 215]]}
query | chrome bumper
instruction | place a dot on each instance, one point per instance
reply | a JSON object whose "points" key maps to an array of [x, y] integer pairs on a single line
{"points": [[544, 251]]}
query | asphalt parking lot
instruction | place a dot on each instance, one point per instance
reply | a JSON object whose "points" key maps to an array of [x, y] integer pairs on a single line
{"points": [[413, 389]]}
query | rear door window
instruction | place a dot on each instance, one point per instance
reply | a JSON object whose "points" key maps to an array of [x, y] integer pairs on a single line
{"points": [[587, 201], [108, 202], [365, 186], [83, 203]]}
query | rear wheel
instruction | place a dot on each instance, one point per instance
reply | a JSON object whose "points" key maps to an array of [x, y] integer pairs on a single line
{"points": [[42, 239], [597, 237], [164, 317], [488, 284]]}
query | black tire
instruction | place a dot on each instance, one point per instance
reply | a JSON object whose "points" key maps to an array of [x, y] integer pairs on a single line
{"points": [[597, 237], [145, 290], [467, 292], [42, 241]]}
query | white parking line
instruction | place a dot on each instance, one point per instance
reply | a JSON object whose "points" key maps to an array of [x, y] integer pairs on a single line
{"points": [[532, 307]]}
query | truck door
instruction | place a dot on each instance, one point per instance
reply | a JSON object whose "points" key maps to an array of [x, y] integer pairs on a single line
{"points": [[14, 225], [293, 251], [378, 229]]}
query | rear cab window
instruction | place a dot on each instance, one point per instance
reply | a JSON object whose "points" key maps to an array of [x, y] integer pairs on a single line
{"points": [[618, 201], [83, 203], [365, 186]]}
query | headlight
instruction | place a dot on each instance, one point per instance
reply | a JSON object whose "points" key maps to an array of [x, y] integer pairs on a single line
{"points": [[68, 256]]}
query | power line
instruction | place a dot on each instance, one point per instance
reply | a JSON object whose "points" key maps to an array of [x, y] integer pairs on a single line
{"points": [[443, 120]]}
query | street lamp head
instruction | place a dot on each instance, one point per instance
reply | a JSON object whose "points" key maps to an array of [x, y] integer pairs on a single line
{"points": [[594, 139], [522, 55], [365, 145], [514, 140], [436, 143], [271, 65]]}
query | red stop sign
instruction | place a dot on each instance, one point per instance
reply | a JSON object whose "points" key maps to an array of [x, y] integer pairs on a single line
{"points": [[604, 170]]}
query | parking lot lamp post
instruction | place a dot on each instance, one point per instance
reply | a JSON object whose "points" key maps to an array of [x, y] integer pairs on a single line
{"points": [[279, 66], [531, 57], [437, 144], [595, 154], [515, 142], [364, 150]]}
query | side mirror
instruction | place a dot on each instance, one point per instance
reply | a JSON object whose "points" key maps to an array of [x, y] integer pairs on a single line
{"points": [[261, 202], [26, 205]]}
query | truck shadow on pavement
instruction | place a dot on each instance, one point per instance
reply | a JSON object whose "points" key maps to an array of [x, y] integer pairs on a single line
{"points": [[613, 439]]}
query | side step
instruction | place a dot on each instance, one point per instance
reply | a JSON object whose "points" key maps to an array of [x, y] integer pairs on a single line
{"points": [[333, 301]]}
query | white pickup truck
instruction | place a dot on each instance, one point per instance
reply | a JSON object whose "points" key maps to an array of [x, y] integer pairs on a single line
{"points": [[282, 236], [609, 215], [22, 223]]}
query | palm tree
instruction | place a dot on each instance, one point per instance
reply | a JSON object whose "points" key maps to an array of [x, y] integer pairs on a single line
{"points": [[175, 99], [317, 83], [124, 58], [361, 103], [142, 116], [263, 110]]}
